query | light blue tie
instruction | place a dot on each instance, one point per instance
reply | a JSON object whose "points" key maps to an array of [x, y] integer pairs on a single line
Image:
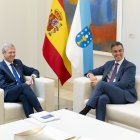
{"points": [[15, 74]]}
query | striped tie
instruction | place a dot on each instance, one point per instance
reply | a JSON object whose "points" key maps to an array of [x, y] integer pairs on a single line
{"points": [[114, 73]]}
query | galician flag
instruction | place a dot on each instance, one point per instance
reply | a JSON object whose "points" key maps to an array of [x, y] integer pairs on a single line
{"points": [[79, 48], [54, 48]]}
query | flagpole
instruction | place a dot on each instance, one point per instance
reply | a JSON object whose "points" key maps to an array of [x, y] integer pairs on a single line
{"points": [[58, 93]]}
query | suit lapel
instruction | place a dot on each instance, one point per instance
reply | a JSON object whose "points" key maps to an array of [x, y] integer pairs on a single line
{"points": [[109, 67], [120, 70], [7, 70]]}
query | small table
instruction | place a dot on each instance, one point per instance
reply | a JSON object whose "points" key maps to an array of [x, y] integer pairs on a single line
{"points": [[79, 125], [71, 123], [8, 130]]}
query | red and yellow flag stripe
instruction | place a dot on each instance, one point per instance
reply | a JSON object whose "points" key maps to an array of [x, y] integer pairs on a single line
{"points": [[54, 48]]}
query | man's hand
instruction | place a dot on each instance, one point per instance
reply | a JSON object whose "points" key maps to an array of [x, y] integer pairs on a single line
{"points": [[30, 81], [93, 79]]}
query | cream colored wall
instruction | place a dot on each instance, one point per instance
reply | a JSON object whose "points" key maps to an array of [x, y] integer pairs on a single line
{"points": [[17, 26], [131, 31], [23, 23]]}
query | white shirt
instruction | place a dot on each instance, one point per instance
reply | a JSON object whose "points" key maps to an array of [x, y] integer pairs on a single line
{"points": [[110, 73]]}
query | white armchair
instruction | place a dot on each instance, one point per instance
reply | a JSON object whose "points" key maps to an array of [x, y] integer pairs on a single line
{"points": [[44, 90], [81, 92], [127, 115]]}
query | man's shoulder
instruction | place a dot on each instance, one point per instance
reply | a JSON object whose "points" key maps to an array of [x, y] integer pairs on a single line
{"points": [[1, 63], [128, 63], [110, 62], [17, 61]]}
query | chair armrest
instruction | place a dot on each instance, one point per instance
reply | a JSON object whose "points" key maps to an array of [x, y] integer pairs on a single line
{"points": [[81, 91], [137, 85], [1, 106], [44, 87]]}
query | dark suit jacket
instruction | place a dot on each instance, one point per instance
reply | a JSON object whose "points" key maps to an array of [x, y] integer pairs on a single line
{"points": [[7, 79], [125, 78]]}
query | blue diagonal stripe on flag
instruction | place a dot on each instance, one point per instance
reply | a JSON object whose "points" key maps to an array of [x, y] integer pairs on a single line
{"points": [[86, 20]]}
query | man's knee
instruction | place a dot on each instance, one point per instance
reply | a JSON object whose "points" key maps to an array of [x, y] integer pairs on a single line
{"points": [[101, 85], [25, 86], [27, 90], [103, 99], [22, 98]]}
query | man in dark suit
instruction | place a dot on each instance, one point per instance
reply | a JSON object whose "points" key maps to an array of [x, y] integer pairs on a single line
{"points": [[16, 89], [117, 85]]}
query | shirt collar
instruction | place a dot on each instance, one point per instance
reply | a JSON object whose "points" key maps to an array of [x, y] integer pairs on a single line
{"points": [[120, 62], [7, 63]]}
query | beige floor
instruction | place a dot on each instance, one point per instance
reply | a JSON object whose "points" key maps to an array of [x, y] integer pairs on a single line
{"points": [[65, 96]]}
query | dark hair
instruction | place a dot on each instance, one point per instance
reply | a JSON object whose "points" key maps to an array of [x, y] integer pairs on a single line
{"points": [[116, 44]]}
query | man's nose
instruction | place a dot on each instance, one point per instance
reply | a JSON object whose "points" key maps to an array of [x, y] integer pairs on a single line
{"points": [[117, 52], [13, 54]]}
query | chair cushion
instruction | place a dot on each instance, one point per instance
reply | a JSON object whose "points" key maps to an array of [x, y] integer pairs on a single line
{"points": [[14, 111], [128, 114]]}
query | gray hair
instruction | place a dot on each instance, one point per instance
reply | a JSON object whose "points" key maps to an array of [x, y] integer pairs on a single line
{"points": [[5, 46]]}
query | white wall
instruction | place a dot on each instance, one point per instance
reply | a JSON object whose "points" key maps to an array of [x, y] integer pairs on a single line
{"points": [[17, 26], [23, 22], [131, 31]]}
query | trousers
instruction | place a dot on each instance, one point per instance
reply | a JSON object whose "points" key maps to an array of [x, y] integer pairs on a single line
{"points": [[103, 94], [24, 94]]}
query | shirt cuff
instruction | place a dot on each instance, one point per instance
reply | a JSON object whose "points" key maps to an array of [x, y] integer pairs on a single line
{"points": [[33, 76], [88, 75]]}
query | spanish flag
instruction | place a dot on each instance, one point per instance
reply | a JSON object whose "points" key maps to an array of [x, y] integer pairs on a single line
{"points": [[54, 47]]}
